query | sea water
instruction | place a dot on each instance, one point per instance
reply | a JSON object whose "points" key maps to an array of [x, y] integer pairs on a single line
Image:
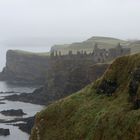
{"points": [[29, 109]]}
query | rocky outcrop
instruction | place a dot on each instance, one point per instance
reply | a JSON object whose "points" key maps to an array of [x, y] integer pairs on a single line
{"points": [[4, 132], [13, 112], [24, 67], [24, 124], [37, 97], [107, 87], [2, 103], [134, 88], [27, 125]]}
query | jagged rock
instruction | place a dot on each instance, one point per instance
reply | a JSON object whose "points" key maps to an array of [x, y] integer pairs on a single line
{"points": [[24, 124], [4, 132], [133, 87], [2, 103], [136, 75], [107, 87], [137, 104], [37, 97], [13, 112], [27, 125]]}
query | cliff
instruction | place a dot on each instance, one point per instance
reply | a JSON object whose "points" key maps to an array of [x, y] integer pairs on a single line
{"points": [[64, 76], [107, 109], [59, 75], [28, 67], [25, 67], [67, 76]]}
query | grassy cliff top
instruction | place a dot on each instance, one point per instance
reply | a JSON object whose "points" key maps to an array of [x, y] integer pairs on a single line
{"points": [[93, 115], [88, 45], [135, 47], [103, 42], [28, 53]]}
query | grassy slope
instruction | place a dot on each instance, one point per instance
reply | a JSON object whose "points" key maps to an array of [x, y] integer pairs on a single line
{"points": [[87, 115], [88, 45], [135, 47], [30, 53], [103, 42]]}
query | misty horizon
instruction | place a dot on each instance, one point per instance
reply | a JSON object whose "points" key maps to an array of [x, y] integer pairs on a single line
{"points": [[69, 21]]}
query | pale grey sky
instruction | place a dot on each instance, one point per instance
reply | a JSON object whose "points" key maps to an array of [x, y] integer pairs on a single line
{"points": [[69, 19]]}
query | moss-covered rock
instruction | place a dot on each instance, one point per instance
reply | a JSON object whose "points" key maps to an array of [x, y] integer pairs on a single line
{"points": [[107, 87]]}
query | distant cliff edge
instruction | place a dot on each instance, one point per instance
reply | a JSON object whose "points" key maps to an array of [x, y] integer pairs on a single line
{"points": [[25, 67]]}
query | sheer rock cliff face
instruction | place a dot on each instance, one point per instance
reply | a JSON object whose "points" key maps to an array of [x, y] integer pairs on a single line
{"points": [[28, 67], [59, 75], [24, 67], [65, 77]]}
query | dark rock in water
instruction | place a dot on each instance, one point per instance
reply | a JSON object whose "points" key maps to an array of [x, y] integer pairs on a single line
{"points": [[8, 92], [2, 103], [13, 112], [27, 126], [35, 98], [4, 132], [107, 87]]}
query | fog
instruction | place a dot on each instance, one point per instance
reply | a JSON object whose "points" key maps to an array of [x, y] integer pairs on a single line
{"points": [[61, 21]]}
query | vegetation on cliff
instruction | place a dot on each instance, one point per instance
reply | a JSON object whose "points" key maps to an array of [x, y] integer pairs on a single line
{"points": [[107, 109]]}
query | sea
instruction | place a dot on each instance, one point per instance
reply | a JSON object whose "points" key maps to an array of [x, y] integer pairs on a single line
{"points": [[29, 109]]}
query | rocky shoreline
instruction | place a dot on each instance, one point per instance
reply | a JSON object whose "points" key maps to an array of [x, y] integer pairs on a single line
{"points": [[24, 124], [13, 112], [27, 125], [4, 132], [35, 98]]}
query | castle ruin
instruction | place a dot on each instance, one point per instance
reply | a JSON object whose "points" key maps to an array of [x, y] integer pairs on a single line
{"points": [[98, 55]]}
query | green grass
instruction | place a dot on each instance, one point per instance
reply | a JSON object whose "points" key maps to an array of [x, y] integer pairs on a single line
{"points": [[103, 42], [135, 47], [87, 115], [22, 52], [88, 45]]}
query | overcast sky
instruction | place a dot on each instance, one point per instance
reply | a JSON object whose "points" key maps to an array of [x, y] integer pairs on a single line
{"points": [[70, 19]]}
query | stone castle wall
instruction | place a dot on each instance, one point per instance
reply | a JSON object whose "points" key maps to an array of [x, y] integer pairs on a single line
{"points": [[98, 55]]}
